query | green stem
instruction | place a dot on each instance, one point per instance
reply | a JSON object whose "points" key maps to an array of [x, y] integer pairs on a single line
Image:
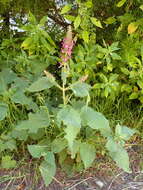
{"points": [[64, 95]]}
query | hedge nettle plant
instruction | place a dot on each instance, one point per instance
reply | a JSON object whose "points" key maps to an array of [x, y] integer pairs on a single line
{"points": [[67, 126]]}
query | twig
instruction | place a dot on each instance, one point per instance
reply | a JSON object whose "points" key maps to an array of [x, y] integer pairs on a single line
{"points": [[114, 180], [58, 181], [80, 183]]}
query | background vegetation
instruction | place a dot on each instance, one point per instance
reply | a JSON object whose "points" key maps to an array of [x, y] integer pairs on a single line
{"points": [[53, 96]]}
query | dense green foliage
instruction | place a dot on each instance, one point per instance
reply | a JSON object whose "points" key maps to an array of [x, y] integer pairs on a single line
{"points": [[48, 87]]}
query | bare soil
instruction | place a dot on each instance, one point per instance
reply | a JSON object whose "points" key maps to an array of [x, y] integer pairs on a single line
{"points": [[104, 177]]}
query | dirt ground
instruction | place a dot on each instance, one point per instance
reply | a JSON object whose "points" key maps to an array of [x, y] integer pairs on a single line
{"points": [[106, 177]]}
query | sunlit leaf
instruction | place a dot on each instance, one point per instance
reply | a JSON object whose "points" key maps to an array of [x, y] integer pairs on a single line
{"points": [[96, 22], [132, 27], [121, 3], [77, 22], [66, 8]]}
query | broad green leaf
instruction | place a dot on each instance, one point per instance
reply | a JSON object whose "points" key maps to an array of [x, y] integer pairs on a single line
{"points": [[133, 96], [75, 148], [124, 132], [37, 150], [11, 144], [141, 7], [121, 3], [96, 22], [69, 117], [89, 4], [87, 154], [3, 85], [80, 89], [66, 8], [118, 154], [115, 56], [8, 75], [19, 97], [41, 84], [7, 162], [85, 36], [43, 20], [32, 18], [69, 17], [48, 168], [71, 133], [77, 22], [36, 121], [58, 145], [27, 43], [3, 110], [95, 120], [110, 20], [21, 135], [132, 27]]}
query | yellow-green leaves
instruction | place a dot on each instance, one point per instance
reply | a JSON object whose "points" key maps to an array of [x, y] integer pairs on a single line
{"points": [[66, 8], [7, 162], [96, 22], [132, 27], [121, 3], [85, 36], [110, 20], [77, 22], [141, 7]]}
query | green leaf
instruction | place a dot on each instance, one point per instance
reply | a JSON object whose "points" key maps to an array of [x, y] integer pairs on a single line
{"points": [[80, 89], [37, 150], [71, 133], [141, 7], [121, 3], [43, 20], [7, 162], [66, 8], [96, 22], [110, 20], [69, 117], [8, 75], [36, 121], [58, 145], [10, 144], [3, 110], [124, 132], [118, 154], [85, 36], [115, 56], [19, 97], [31, 18], [132, 27], [95, 120], [48, 168], [41, 84], [77, 22], [87, 154], [133, 96], [21, 135]]}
